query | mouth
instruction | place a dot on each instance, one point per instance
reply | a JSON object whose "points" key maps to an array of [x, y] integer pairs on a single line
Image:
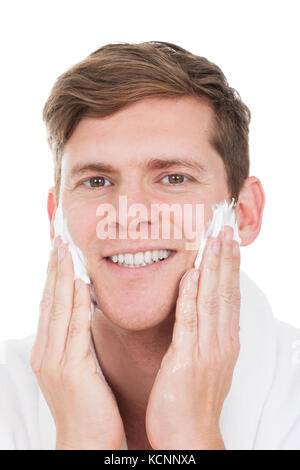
{"points": [[142, 261]]}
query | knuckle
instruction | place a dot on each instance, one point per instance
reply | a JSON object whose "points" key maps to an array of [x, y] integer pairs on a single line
{"points": [[236, 264], [235, 338], [227, 347], [58, 311], [231, 347], [62, 273], [35, 364], [226, 294], [77, 328], [209, 303], [79, 306], [227, 259], [74, 330], [189, 321], [236, 297], [237, 348], [186, 303], [211, 266], [46, 302]]}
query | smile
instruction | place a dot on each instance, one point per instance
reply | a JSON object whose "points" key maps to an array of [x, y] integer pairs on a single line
{"points": [[140, 259]]}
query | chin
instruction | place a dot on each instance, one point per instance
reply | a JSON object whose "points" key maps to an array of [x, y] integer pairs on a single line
{"points": [[137, 311]]}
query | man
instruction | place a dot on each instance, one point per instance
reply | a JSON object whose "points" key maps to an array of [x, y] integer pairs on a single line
{"points": [[193, 362]]}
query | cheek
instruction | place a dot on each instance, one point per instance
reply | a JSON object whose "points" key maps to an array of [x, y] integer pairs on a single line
{"points": [[82, 221], [207, 215], [197, 218]]}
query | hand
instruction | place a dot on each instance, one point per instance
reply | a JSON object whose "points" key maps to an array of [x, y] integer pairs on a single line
{"points": [[196, 372], [84, 410]]}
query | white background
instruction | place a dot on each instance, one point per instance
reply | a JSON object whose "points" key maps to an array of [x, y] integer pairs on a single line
{"points": [[256, 44]]}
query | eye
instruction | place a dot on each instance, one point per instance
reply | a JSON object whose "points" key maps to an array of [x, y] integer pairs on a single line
{"points": [[96, 182], [175, 178]]}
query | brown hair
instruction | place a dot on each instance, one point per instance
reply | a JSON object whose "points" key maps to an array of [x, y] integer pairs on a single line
{"points": [[117, 75]]}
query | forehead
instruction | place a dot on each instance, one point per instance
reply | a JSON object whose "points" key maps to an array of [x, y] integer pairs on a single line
{"points": [[144, 129]]}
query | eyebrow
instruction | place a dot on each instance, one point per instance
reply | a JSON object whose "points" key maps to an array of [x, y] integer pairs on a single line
{"points": [[100, 167], [161, 164], [151, 164]]}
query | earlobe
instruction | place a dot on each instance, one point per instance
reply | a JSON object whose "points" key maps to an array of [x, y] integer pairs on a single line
{"points": [[51, 208], [249, 210]]}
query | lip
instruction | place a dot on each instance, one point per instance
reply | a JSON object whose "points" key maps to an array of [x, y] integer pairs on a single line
{"points": [[141, 271], [134, 250]]}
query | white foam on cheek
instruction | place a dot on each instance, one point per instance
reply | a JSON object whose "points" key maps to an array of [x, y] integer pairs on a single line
{"points": [[61, 228], [223, 214], [79, 261]]}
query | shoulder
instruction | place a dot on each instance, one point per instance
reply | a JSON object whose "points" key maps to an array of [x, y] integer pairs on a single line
{"points": [[287, 377], [270, 368], [288, 356], [281, 416], [15, 359], [19, 394], [286, 332]]}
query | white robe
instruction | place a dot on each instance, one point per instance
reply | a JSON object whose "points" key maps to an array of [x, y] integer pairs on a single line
{"points": [[261, 411]]}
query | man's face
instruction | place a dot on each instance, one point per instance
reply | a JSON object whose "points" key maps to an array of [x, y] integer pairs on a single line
{"points": [[126, 147]]}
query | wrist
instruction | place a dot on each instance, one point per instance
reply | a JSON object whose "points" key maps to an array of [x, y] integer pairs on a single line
{"points": [[208, 439], [78, 443], [67, 445]]}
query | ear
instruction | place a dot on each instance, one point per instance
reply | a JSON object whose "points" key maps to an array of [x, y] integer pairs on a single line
{"points": [[249, 210], [51, 208]]}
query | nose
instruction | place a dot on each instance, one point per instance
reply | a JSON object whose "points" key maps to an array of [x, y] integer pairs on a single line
{"points": [[133, 209]]}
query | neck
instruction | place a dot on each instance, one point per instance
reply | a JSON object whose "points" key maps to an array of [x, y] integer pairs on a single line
{"points": [[130, 361]]}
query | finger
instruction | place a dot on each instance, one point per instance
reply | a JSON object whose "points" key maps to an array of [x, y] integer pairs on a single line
{"points": [[79, 333], [236, 294], [225, 287], [207, 303], [186, 322], [62, 305], [44, 310]]}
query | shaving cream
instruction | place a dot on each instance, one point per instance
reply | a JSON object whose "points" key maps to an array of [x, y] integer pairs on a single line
{"points": [[223, 214], [79, 261]]}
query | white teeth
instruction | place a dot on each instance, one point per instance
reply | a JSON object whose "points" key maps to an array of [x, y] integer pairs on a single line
{"points": [[120, 258], [147, 257], [138, 258], [130, 260]]}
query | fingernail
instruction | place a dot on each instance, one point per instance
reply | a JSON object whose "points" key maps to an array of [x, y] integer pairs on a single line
{"points": [[222, 232], [236, 248], [57, 241], [61, 252], [77, 284], [229, 235]]}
